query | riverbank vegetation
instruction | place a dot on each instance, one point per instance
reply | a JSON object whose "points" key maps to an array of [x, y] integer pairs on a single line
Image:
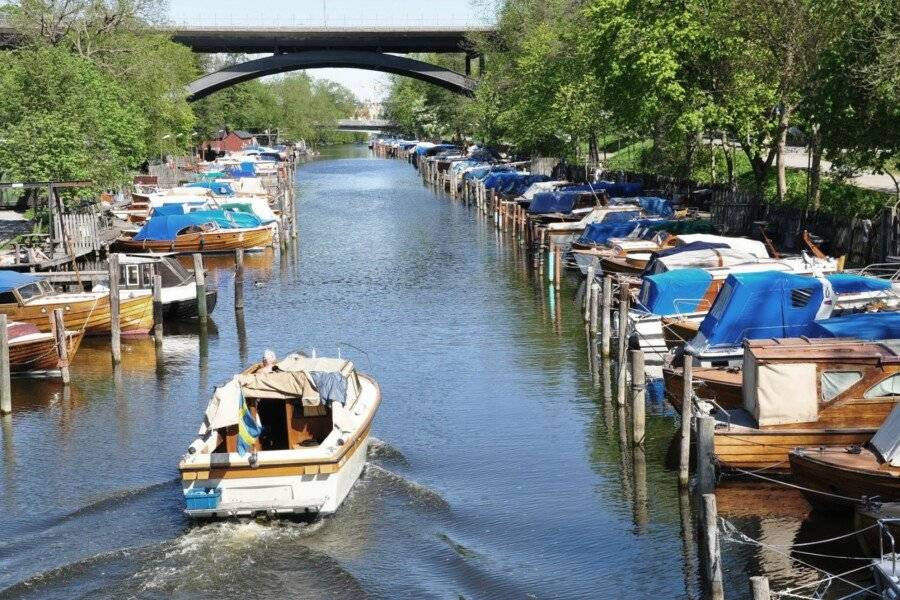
{"points": [[685, 84], [91, 93]]}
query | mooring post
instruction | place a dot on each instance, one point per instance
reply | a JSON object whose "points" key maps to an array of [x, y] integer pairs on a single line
{"points": [[557, 268], [589, 280], [706, 454], [713, 562], [157, 309], [551, 262], [62, 345], [115, 325], [606, 317], [200, 284], [594, 308], [239, 279], [759, 588], [5, 384], [623, 339], [687, 409], [638, 406]]}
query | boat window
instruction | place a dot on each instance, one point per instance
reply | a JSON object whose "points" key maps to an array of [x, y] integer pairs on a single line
{"points": [[835, 383], [147, 275], [800, 297], [8, 298], [885, 388], [32, 290], [171, 276], [721, 302], [130, 276]]}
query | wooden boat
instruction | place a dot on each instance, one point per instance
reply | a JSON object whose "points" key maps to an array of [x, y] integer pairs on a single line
{"points": [[724, 386], [878, 527], [311, 451], [219, 240], [854, 472], [678, 330], [34, 352], [28, 299], [805, 392]]}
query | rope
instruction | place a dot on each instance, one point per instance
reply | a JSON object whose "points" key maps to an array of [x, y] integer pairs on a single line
{"points": [[800, 487]]}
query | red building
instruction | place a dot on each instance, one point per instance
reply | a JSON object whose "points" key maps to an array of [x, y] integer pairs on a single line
{"points": [[232, 141]]}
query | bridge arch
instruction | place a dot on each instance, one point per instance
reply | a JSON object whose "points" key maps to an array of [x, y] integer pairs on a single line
{"points": [[315, 59]]}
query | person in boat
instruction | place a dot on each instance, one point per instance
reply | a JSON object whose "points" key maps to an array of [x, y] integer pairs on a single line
{"points": [[268, 362]]}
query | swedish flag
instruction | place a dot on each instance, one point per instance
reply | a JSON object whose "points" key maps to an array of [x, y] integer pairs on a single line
{"points": [[249, 429]]}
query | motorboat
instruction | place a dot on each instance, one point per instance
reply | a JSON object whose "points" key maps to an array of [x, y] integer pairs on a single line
{"points": [[282, 438], [204, 231]]}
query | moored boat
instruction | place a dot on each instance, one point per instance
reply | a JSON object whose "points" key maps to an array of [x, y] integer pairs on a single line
{"points": [[281, 439], [33, 352], [179, 287], [204, 231]]}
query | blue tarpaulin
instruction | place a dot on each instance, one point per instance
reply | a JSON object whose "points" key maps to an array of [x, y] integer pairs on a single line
{"points": [[674, 292], [599, 234], [219, 188], [863, 326], [167, 227], [245, 169], [10, 280], [850, 283], [552, 202], [618, 189], [767, 304], [657, 206]]}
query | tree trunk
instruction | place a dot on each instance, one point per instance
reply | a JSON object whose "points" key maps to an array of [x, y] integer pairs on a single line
{"points": [[781, 174], [593, 148], [815, 167]]}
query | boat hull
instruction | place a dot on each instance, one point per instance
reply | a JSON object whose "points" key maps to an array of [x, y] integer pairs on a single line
{"points": [[37, 354], [187, 308], [769, 448], [852, 475], [722, 386], [213, 241], [89, 314]]}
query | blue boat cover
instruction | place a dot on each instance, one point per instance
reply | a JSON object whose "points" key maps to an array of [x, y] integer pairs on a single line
{"points": [[167, 227], [765, 304], [512, 182], [10, 280], [674, 292], [219, 188], [849, 283], [657, 206], [168, 209], [618, 189], [621, 216], [863, 326], [246, 169], [599, 234]]}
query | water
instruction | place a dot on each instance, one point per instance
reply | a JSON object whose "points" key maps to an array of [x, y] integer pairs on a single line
{"points": [[499, 468]]}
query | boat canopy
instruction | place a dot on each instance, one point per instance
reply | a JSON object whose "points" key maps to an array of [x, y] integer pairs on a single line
{"points": [[10, 280], [655, 205], [601, 232], [255, 206], [168, 227], [863, 326], [851, 283], [219, 188], [245, 169], [512, 182], [314, 381], [886, 440], [662, 256], [675, 292], [757, 249], [767, 304]]}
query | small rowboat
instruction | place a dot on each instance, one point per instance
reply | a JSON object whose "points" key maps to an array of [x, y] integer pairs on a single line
{"points": [[34, 352]]}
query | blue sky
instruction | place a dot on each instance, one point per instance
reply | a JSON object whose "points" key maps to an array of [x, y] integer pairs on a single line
{"points": [[367, 85]]}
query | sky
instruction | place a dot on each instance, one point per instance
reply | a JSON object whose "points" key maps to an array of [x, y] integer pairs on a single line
{"points": [[368, 86]]}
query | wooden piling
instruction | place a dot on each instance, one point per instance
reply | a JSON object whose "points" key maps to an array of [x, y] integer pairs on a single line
{"points": [[200, 283], [712, 552], [557, 268], [115, 325], [5, 384], [594, 308], [157, 309], [623, 339], [638, 406], [759, 588], [589, 280], [239, 279], [706, 455], [687, 409], [606, 317], [62, 346]]}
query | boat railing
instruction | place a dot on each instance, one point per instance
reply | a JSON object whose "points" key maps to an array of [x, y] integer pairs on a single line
{"points": [[888, 271], [699, 305], [885, 531]]}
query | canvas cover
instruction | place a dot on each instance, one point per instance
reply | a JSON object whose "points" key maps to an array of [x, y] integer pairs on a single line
{"points": [[767, 304], [697, 251], [851, 283], [886, 440], [167, 227], [863, 326], [9, 280], [599, 233], [540, 186], [753, 247], [656, 205], [219, 188], [675, 292], [781, 393]]}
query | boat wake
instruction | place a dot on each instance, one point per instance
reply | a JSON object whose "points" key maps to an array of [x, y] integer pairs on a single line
{"points": [[382, 451], [416, 491]]}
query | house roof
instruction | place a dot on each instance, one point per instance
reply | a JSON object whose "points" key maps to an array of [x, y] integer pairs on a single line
{"points": [[244, 135]]}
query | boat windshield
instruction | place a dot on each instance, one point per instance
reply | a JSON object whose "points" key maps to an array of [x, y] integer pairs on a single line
{"points": [[32, 290]]}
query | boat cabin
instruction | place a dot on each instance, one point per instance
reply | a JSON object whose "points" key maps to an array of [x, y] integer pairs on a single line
{"points": [[136, 271], [20, 289]]}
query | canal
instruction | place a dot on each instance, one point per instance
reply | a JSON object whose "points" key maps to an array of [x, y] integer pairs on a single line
{"points": [[500, 470]]}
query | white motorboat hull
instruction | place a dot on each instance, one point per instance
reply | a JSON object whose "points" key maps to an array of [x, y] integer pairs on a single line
{"points": [[320, 494]]}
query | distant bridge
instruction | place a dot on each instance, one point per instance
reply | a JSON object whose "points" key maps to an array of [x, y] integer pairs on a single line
{"points": [[310, 47], [365, 125]]}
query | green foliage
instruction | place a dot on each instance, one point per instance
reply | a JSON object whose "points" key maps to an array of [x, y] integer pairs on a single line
{"points": [[62, 118]]}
